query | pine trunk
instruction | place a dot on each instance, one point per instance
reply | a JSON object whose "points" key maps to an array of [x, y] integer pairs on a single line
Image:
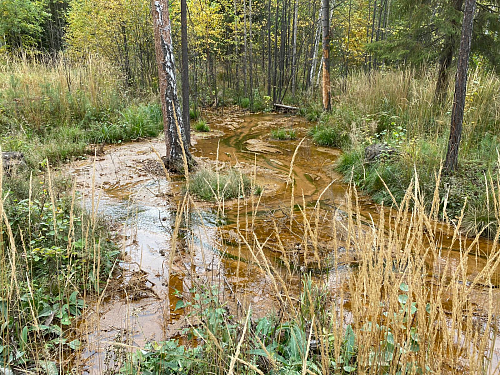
{"points": [[457, 114]]}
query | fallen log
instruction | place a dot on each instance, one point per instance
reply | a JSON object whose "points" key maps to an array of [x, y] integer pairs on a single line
{"points": [[285, 108]]}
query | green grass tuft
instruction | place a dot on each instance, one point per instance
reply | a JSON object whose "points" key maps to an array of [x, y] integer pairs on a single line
{"points": [[283, 134], [201, 126], [209, 185]]}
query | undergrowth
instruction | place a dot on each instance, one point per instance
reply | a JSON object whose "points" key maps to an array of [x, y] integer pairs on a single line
{"points": [[54, 255], [397, 109]]}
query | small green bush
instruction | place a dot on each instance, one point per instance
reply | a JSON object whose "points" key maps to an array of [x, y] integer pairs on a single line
{"points": [[209, 185], [201, 126], [283, 134], [245, 102], [329, 136]]}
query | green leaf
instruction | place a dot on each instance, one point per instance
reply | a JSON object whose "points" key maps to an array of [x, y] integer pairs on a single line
{"points": [[349, 368], [75, 344], [180, 305], [403, 298], [404, 287]]}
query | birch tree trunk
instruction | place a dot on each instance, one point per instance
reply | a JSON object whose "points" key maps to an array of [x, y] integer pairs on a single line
{"points": [[457, 113], [175, 131], [325, 14]]}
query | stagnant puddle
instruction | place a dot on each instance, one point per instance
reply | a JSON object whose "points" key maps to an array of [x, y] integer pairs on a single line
{"points": [[128, 186]]}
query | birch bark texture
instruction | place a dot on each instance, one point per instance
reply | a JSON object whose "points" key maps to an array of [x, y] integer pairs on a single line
{"points": [[175, 131], [457, 113]]}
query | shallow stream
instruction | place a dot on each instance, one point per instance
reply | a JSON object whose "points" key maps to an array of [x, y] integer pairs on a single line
{"points": [[128, 186]]}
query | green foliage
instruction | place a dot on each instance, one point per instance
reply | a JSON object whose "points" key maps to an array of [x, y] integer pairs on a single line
{"points": [[21, 23], [61, 255], [120, 31], [201, 126], [245, 102], [167, 357], [283, 134], [209, 185], [329, 136], [194, 113]]}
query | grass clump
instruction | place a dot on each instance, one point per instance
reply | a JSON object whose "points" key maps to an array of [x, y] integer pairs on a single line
{"points": [[194, 113], [201, 126], [329, 136], [283, 134], [209, 185]]}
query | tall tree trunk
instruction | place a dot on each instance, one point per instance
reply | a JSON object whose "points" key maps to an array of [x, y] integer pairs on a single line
{"points": [[446, 58], [325, 12], [245, 47], [269, 83], [175, 131], [250, 57], [236, 50], [294, 47], [457, 113], [315, 53], [185, 71], [275, 70]]}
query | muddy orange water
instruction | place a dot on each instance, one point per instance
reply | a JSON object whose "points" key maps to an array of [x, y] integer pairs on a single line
{"points": [[128, 186]]}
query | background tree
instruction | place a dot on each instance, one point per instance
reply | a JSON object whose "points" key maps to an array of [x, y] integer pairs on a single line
{"points": [[457, 114], [185, 71], [21, 23], [325, 20], [175, 131]]}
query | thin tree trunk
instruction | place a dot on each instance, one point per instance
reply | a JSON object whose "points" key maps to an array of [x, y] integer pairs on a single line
{"points": [[245, 47], [250, 57], [175, 131], [275, 73], [269, 83], [185, 71], [325, 11], [315, 51], [457, 114], [236, 49], [294, 47]]}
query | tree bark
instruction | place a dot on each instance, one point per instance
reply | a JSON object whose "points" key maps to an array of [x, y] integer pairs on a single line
{"points": [[325, 14], [294, 47], [457, 114], [175, 131], [185, 72], [269, 82], [446, 59], [250, 56]]}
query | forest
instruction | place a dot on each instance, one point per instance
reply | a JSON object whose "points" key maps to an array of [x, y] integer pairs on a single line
{"points": [[249, 186]]}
